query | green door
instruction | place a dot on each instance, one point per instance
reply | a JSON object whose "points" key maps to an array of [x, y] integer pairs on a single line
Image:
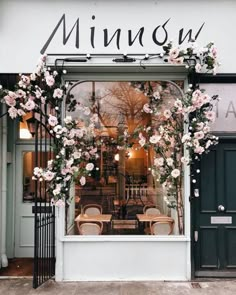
{"points": [[214, 218]]}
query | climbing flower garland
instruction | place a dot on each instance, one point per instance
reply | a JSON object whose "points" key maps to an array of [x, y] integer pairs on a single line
{"points": [[74, 149]]}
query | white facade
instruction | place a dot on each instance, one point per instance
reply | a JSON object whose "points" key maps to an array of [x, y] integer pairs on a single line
{"points": [[28, 27]]}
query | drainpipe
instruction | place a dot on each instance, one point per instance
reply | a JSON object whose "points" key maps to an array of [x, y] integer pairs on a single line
{"points": [[4, 260]]}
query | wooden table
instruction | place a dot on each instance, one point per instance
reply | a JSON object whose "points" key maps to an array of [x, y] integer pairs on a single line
{"points": [[106, 218], [150, 217], [142, 218], [101, 217]]}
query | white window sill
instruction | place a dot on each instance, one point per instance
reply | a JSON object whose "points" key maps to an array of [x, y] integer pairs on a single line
{"points": [[122, 238]]}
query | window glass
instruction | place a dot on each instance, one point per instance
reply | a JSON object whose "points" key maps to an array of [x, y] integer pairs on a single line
{"points": [[28, 182], [123, 183]]}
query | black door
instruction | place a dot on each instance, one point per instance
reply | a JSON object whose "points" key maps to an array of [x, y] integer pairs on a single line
{"points": [[214, 218]]}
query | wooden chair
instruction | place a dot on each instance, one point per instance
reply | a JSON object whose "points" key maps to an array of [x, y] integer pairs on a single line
{"points": [[151, 210], [92, 209], [90, 228], [161, 226]]}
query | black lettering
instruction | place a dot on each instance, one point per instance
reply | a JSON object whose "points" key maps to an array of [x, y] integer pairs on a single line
{"points": [[154, 38], [139, 35], [65, 38], [189, 35], [232, 111], [92, 33], [217, 109], [106, 42], [92, 36]]}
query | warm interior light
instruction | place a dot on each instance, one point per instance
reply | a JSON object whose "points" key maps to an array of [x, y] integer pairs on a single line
{"points": [[128, 154], [25, 134], [117, 157]]}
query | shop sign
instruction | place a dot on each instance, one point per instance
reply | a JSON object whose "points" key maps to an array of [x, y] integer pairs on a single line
{"points": [[158, 36]]}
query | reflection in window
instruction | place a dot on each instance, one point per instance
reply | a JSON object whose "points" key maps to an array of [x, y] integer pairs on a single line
{"points": [[24, 132], [28, 183], [123, 184]]}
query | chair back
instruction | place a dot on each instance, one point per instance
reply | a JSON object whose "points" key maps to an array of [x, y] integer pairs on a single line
{"points": [[161, 227], [90, 228], [152, 211], [92, 209]]}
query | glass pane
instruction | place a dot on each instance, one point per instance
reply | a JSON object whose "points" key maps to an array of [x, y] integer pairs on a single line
{"points": [[123, 183], [25, 131], [28, 183]]}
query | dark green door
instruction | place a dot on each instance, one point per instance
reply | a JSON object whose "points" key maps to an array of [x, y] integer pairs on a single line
{"points": [[214, 218]]}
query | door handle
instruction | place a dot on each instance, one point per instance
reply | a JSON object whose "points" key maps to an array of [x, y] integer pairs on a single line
{"points": [[221, 208]]}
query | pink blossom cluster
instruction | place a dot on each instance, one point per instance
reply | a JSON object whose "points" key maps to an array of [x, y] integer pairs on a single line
{"points": [[33, 90], [74, 157], [205, 57]]}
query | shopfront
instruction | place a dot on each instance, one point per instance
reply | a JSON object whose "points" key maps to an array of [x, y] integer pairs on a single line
{"points": [[114, 130]]}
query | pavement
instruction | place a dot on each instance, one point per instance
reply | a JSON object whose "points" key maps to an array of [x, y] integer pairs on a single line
{"points": [[24, 287]]}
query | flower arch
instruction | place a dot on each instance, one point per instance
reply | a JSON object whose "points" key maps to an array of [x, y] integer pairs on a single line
{"points": [[174, 145]]}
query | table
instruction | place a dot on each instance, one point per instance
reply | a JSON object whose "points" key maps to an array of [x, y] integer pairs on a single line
{"points": [[150, 217], [142, 218], [106, 218], [101, 217]]}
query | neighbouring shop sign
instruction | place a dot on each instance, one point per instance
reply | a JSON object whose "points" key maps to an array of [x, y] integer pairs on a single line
{"points": [[225, 108]]}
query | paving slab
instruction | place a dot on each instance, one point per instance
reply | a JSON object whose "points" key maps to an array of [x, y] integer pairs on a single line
{"points": [[24, 287]]}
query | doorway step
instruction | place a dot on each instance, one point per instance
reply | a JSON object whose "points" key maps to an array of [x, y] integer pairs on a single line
{"points": [[18, 267]]}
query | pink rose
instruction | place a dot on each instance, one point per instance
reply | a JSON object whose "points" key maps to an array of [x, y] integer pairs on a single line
{"points": [[155, 138], [89, 167], [198, 67], [58, 93], [30, 105], [199, 150], [13, 112], [10, 100], [49, 175], [147, 109], [175, 173], [50, 80], [52, 121], [174, 53], [82, 180], [210, 115], [167, 114], [199, 135]]}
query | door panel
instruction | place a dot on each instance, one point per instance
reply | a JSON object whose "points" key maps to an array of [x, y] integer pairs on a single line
{"points": [[230, 246], [215, 248], [230, 176], [208, 184], [208, 240], [24, 219]]}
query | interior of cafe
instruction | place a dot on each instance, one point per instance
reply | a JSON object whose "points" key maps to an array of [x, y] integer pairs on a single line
{"points": [[122, 194]]}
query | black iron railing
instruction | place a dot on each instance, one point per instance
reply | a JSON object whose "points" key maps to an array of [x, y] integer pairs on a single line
{"points": [[44, 212]]}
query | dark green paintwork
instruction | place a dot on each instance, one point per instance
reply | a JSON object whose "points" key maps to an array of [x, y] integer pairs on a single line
{"points": [[215, 250]]}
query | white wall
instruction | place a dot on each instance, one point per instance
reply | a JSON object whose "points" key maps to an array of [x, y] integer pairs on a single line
{"points": [[124, 260], [117, 258], [26, 25], [0, 186]]}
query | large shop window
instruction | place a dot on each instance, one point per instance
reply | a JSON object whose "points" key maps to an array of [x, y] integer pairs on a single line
{"points": [[122, 195]]}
